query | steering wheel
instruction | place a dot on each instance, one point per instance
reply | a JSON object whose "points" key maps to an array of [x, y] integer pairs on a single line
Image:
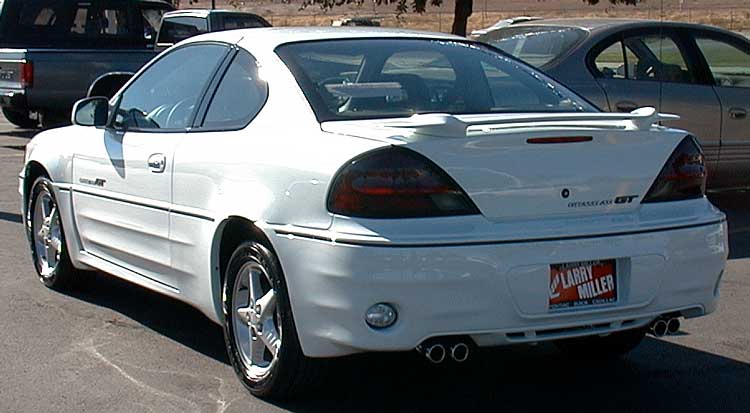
{"points": [[174, 111], [138, 117]]}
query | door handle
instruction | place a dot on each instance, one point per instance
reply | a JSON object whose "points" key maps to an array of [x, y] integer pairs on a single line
{"points": [[737, 113], [157, 163], [626, 106]]}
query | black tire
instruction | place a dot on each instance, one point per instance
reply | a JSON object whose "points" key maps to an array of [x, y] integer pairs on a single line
{"points": [[293, 372], [61, 277], [20, 118], [607, 347]]}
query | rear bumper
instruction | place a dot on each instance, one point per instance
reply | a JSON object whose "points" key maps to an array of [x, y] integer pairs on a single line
{"points": [[13, 98], [497, 293]]}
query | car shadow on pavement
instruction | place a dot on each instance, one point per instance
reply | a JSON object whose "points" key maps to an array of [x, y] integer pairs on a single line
{"points": [[11, 217], [736, 204], [657, 376], [164, 315]]}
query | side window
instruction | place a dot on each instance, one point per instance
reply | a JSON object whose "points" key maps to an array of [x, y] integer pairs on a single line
{"points": [[175, 30], [610, 63], [164, 96], [729, 65], [649, 57], [239, 97], [656, 57]]}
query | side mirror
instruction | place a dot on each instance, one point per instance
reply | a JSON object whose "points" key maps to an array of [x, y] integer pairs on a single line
{"points": [[91, 112]]}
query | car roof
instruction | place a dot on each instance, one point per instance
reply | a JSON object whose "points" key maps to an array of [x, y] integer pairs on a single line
{"points": [[203, 13], [271, 37], [613, 24]]}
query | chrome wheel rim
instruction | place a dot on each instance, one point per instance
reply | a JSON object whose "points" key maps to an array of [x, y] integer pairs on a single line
{"points": [[256, 320], [47, 234]]}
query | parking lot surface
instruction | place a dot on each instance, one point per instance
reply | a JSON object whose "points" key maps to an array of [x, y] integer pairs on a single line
{"points": [[111, 346]]}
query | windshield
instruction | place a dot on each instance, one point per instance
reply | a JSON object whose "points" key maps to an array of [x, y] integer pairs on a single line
{"points": [[535, 45], [379, 78]]}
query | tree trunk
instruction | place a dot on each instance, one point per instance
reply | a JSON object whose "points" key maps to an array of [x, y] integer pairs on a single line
{"points": [[461, 15]]}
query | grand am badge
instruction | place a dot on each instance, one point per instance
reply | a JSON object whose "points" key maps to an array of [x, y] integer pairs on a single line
{"points": [[625, 199]]}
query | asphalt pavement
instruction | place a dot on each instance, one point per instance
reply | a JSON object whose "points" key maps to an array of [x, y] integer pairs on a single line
{"points": [[111, 346]]}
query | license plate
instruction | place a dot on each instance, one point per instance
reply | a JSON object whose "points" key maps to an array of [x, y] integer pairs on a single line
{"points": [[580, 284], [7, 74]]}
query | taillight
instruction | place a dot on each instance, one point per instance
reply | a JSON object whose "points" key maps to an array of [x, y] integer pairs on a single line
{"points": [[683, 177], [396, 183], [27, 74]]}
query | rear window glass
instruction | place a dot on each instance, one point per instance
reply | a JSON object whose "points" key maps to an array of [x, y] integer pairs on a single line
{"points": [[240, 21], [177, 29], [78, 24], [536, 45], [379, 78]]}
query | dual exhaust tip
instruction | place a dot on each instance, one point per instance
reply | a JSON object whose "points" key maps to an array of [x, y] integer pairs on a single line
{"points": [[663, 326], [439, 352]]}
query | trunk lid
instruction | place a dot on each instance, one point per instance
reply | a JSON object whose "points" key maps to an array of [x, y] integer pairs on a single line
{"points": [[603, 165]]}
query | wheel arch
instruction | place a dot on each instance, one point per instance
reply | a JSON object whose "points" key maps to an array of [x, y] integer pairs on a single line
{"points": [[230, 233], [32, 171]]}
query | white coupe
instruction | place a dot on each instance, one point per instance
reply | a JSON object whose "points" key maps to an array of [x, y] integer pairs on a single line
{"points": [[324, 192]]}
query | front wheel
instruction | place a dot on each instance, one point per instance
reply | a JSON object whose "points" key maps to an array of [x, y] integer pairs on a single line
{"points": [[603, 347], [48, 249], [259, 330]]}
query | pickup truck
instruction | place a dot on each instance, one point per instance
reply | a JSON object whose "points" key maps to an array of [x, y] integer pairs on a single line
{"points": [[52, 50], [182, 24]]}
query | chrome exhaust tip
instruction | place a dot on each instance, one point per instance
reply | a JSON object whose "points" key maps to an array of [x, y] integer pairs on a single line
{"points": [[658, 328], [460, 352], [435, 353], [673, 325]]}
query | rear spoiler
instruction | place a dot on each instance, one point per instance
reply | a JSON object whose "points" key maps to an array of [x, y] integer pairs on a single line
{"points": [[447, 125]]}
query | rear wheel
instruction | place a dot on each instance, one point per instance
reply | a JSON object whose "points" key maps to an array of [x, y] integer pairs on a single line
{"points": [[259, 329], [20, 118], [48, 250], [603, 347], [52, 119]]}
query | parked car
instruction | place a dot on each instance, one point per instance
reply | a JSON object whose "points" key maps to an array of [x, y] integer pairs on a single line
{"points": [[51, 51], [701, 73], [179, 25], [357, 21], [323, 192]]}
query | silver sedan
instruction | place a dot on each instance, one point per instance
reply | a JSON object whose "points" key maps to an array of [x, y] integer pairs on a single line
{"points": [[699, 72]]}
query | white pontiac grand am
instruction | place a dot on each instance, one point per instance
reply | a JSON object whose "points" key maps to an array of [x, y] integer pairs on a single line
{"points": [[324, 192]]}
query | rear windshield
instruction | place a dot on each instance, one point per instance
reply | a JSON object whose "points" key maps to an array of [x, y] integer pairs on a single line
{"points": [[102, 24], [239, 21], [176, 29], [379, 78], [535, 45]]}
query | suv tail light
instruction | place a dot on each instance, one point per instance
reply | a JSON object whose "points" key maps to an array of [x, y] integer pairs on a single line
{"points": [[396, 183], [683, 177], [27, 74]]}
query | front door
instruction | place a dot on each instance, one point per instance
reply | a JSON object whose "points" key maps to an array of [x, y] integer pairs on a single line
{"points": [[728, 60], [123, 179]]}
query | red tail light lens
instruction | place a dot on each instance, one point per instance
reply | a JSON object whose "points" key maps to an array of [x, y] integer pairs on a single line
{"points": [[683, 177], [27, 74], [396, 183]]}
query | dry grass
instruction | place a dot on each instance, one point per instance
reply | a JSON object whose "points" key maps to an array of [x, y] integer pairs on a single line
{"points": [[730, 14]]}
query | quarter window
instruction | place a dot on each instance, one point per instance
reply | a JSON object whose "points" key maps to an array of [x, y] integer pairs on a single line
{"points": [[165, 95], [729, 65], [611, 62], [239, 97]]}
